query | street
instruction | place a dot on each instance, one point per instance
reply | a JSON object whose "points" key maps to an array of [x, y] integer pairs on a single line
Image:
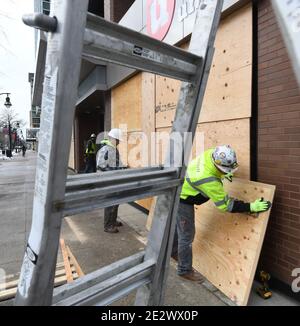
{"points": [[92, 247]]}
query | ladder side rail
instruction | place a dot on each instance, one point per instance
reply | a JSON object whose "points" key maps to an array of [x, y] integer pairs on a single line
{"points": [[62, 73], [288, 17], [166, 259], [186, 118], [207, 44]]}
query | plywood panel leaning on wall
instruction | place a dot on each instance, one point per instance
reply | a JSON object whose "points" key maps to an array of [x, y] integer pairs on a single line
{"points": [[227, 246]]}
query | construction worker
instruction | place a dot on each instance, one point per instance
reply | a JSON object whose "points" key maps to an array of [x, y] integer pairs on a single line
{"points": [[90, 155], [203, 182], [108, 159]]}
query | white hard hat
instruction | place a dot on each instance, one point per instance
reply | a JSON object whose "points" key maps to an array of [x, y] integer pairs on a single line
{"points": [[93, 136], [224, 158], [116, 134]]}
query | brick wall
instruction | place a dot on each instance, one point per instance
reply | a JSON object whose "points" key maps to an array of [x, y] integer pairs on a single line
{"points": [[278, 146]]}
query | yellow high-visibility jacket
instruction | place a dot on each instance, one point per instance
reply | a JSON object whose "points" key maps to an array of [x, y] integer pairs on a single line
{"points": [[203, 181]]}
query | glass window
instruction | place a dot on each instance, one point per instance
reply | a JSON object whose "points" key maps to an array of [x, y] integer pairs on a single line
{"points": [[46, 7]]}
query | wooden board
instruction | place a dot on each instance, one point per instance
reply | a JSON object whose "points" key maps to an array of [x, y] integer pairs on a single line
{"points": [[126, 103], [65, 256], [10, 287], [229, 90], [227, 246], [139, 146], [167, 93], [235, 133]]}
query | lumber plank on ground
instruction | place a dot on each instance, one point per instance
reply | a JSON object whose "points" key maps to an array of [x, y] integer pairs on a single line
{"points": [[70, 264], [66, 261]]}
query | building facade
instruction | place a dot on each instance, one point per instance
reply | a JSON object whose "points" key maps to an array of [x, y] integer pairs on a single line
{"points": [[278, 144], [252, 102]]}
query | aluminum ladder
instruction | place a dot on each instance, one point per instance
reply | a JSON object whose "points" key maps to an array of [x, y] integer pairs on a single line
{"points": [[74, 33], [288, 16]]}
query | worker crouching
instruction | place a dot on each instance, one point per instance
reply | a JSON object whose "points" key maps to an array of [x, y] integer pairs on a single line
{"points": [[203, 182]]}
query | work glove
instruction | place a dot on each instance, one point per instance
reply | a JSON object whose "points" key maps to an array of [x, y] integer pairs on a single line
{"points": [[228, 176], [260, 205]]}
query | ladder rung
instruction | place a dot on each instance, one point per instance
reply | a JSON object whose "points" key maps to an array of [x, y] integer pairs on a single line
{"points": [[88, 200], [96, 277], [114, 188], [105, 179], [111, 42], [116, 173], [113, 288]]}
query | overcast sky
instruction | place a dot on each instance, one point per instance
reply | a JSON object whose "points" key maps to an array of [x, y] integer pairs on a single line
{"points": [[17, 57]]}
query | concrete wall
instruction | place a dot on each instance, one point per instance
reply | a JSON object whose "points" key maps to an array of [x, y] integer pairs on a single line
{"points": [[278, 146]]}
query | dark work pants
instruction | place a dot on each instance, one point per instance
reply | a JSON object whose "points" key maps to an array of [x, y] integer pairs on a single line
{"points": [[110, 216], [184, 237], [90, 165]]}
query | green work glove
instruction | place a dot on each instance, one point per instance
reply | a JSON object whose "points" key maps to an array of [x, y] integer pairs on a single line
{"points": [[229, 176], [260, 205]]}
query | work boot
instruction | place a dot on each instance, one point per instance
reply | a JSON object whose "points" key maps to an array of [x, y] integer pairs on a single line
{"points": [[193, 276], [111, 229], [118, 224]]}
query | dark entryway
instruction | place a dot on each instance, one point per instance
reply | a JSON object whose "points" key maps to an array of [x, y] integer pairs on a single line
{"points": [[89, 118]]}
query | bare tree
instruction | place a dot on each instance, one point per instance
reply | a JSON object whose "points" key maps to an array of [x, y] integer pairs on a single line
{"points": [[9, 120]]}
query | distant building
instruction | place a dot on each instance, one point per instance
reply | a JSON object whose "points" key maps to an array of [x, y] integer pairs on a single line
{"points": [[92, 114], [35, 112]]}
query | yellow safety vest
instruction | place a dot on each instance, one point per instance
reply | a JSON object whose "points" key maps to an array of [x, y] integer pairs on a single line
{"points": [[204, 178]]}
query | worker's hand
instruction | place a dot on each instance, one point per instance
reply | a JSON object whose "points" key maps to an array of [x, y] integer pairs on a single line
{"points": [[229, 176], [260, 205]]}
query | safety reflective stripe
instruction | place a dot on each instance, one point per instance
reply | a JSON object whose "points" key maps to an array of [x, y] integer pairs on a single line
{"points": [[198, 183], [230, 205], [222, 202], [205, 180], [194, 187]]}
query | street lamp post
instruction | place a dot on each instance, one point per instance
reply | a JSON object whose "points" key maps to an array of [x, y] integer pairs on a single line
{"points": [[8, 105]]}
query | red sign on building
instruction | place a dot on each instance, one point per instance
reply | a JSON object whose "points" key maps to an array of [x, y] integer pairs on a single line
{"points": [[160, 15]]}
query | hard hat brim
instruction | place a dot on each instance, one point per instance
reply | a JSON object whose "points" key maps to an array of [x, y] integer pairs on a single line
{"points": [[226, 169]]}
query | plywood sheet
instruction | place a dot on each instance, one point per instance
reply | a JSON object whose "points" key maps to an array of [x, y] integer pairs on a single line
{"points": [[229, 89], [166, 97], [148, 109], [126, 103], [227, 246], [235, 133], [167, 93]]}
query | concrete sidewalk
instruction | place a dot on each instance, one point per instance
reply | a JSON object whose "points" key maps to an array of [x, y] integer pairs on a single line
{"points": [[84, 234]]}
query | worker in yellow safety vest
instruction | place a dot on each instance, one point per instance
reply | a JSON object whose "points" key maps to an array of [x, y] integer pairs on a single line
{"points": [[90, 155], [203, 182]]}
